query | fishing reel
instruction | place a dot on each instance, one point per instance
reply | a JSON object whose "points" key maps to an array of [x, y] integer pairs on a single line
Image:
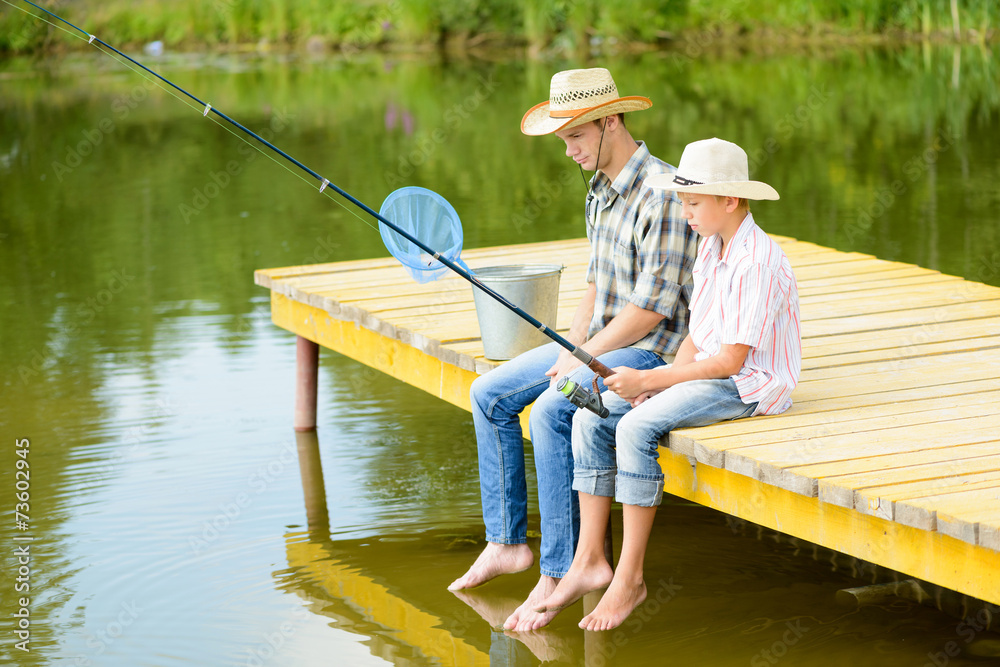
{"points": [[582, 398]]}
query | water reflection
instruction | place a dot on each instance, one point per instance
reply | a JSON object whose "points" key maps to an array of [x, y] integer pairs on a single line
{"points": [[140, 359], [720, 597]]}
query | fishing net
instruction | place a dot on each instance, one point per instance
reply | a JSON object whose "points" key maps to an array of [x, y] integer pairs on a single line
{"points": [[428, 217]]}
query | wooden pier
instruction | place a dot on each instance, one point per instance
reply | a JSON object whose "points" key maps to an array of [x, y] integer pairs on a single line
{"points": [[891, 452]]}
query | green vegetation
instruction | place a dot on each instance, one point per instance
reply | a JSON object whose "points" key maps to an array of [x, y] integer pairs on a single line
{"points": [[557, 25]]}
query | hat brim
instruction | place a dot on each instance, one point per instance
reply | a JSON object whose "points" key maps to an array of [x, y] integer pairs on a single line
{"points": [[537, 121], [741, 189]]}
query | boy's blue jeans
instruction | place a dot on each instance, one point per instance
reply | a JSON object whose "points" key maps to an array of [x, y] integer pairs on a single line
{"points": [[617, 456], [498, 397]]}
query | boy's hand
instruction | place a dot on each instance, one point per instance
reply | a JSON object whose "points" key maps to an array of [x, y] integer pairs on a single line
{"points": [[641, 398], [626, 382]]}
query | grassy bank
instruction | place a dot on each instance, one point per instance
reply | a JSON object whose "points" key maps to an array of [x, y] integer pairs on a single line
{"points": [[539, 25]]}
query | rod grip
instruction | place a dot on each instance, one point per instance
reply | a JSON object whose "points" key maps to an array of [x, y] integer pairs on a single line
{"points": [[592, 363]]}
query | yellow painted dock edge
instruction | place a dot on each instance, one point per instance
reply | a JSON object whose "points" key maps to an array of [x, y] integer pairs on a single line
{"points": [[931, 556]]}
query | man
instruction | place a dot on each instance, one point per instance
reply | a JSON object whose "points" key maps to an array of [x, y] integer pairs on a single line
{"points": [[634, 313]]}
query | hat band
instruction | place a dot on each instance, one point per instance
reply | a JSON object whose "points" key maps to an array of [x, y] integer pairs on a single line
{"points": [[567, 113], [680, 180]]}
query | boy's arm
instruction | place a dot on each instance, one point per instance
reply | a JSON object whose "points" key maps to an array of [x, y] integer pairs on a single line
{"points": [[636, 386], [628, 326]]}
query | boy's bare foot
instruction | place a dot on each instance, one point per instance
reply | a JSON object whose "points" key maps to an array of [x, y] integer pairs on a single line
{"points": [[495, 560], [525, 617], [580, 580], [618, 602]]}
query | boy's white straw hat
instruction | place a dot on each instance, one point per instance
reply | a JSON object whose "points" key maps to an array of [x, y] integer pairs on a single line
{"points": [[578, 96], [713, 167]]}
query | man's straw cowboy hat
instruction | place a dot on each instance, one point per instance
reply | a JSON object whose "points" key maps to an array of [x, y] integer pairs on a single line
{"points": [[578, 96]]}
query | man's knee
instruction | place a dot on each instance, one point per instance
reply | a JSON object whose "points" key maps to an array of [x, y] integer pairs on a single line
{"points": [[480, 394], [551, 406]]}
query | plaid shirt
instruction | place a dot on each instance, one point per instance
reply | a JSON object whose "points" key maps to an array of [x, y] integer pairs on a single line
{"points": [[641, 251]]}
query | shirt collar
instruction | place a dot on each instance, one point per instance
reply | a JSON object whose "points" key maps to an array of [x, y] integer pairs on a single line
{"points": [[739, 238], [605, 190]]}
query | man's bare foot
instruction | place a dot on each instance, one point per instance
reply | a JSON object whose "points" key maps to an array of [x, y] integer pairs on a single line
{"points": [[525, 617], [495, 560], [580, 580], [618, 602]]}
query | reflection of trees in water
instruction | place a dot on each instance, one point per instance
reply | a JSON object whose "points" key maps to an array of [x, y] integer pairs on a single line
{"points": [[888, 151]]}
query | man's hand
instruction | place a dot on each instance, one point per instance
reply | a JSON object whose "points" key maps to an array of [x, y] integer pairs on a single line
{"points": [[566, 363]]}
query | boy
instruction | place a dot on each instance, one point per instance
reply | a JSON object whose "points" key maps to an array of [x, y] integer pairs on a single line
{"points": [[633, 313], [741, 358]]}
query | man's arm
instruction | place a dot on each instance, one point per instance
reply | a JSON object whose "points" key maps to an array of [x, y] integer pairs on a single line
{"points": [[625, 328]]}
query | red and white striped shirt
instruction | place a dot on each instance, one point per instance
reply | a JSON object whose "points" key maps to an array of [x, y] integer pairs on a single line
{"points": [[749, 296]]}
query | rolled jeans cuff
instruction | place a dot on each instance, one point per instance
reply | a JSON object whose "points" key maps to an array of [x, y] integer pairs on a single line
{"points": [[639, 490], [595, 481], [495, 539]]}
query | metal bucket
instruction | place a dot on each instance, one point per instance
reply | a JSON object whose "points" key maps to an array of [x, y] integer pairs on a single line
{"points": [[532, 287]]}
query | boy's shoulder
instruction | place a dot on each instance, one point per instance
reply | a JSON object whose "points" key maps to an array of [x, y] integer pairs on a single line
{"points": [[756, 246]]}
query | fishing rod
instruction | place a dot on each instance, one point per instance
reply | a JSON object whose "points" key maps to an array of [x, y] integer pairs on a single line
{"points": [[576, 394]]}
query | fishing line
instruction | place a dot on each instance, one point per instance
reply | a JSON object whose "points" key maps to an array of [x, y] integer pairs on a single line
{"points": [[325, 184]]}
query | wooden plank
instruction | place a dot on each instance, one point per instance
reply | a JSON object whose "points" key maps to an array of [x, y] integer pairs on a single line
{"points": [[953, 459], [910, 351], [796, 424], [901, 337], [960, 506], [914, 316], [938, 366], [878, 499], [928, 555], [779, 463], [868, 283]]}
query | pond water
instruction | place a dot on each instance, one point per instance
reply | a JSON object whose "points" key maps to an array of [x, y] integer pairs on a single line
{"points": [[171, 521]]}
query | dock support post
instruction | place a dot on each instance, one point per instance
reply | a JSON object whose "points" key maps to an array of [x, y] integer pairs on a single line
{"points": [[306, 381]]}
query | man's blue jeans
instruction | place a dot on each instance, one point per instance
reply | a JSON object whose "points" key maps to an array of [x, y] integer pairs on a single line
{"points": [[617, 456], [498, 397]]}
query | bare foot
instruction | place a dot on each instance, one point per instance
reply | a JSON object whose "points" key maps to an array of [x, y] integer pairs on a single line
{"points": [[546, 645], [495, 560], [618, 602], [525, 617], [493, 608], [580, 580]]}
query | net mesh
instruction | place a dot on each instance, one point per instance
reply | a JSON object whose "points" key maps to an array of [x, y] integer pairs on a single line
{"points": [[428, 217]]}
